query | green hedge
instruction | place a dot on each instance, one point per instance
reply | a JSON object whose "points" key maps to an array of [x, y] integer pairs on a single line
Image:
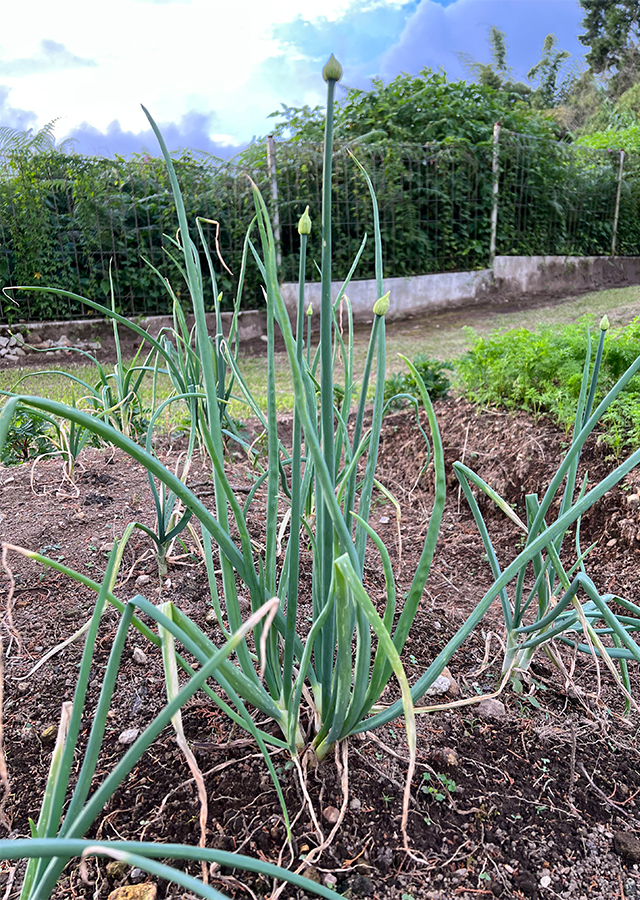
{"points": [[66, 219]]}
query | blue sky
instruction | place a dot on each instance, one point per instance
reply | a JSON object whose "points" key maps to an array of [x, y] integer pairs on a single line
{"points": [[211, 71]]}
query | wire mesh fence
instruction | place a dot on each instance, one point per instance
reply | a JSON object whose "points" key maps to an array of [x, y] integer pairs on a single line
{"points": [[94, 226], [428, 198], [557, 199], [88, 224]]}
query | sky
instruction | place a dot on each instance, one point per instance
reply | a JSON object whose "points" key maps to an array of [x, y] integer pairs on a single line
{"points": [[211, 72]]}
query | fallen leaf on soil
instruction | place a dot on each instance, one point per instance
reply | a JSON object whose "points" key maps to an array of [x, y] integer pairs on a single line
{"points": [[445, 756]]}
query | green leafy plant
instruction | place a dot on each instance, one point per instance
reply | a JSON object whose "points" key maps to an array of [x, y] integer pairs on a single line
{"points": [[28, 436], [434, 789], [541, 372], [401, 386], [551, 607]]}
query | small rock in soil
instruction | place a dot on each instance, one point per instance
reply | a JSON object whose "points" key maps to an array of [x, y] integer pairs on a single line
{"points": [[360, 886], [128, 736], [48, 734], [143, 579], [355, 804], [331, 814], [627, 845], [117, 869], [139, 656], [491, 709], [439, 687], [330, 880], [312, 874], [459, 875], [454, 689], [145, 891]]}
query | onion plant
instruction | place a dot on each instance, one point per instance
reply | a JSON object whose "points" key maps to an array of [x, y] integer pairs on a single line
{"points": [[549, 605], [326, 483], [322, 681], [64, 820], [116, 395]]}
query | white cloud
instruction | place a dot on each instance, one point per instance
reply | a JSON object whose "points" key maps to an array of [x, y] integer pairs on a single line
{"points": [[435, 35], [232, 63], [51, 57], [173, 57]]}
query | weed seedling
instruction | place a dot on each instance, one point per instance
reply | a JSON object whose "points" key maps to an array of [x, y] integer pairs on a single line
{"points": [[433, 790]]}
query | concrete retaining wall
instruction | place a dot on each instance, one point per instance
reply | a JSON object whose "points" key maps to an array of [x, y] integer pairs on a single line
{"points": [[511, 277], [252, 324], [409, 296], [563, 275]]}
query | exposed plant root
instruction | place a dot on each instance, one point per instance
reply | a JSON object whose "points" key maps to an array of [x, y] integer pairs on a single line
{"points": [[316, 852], [486, 662], [4, 774], [8, 619], [136, 562], [66, 477], [10, 879]]}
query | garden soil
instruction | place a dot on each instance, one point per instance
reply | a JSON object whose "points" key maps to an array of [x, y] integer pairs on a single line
{"points": [[536, 795]]}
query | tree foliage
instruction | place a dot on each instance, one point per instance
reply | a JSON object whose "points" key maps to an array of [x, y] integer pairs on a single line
{"points": [[496, 74], [611, 32], [417, 109], [547, 73], [553, 83]]}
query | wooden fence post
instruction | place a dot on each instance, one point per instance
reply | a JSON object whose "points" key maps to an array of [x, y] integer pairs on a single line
{"points": [[271, 163], [496, 182], [616, 213]]}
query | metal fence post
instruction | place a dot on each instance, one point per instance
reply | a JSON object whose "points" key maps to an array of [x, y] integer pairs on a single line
{"points": [[496, 182], [271, 163], [616, 213]]}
